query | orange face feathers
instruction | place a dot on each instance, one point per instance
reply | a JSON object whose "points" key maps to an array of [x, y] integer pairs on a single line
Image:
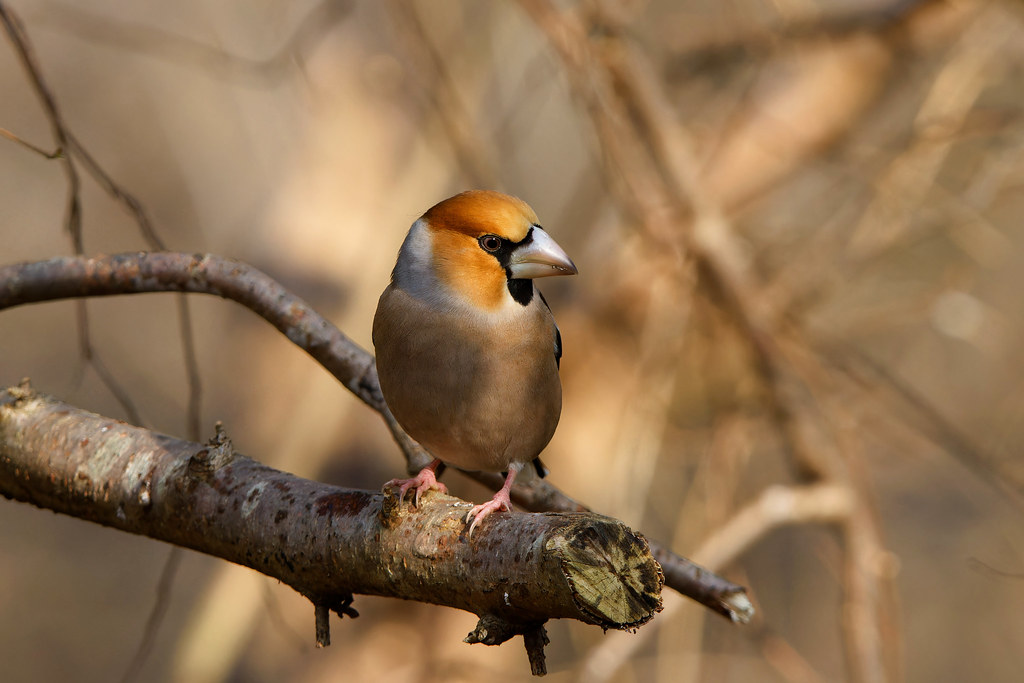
{"points": [[481, 212], [485, 245]]}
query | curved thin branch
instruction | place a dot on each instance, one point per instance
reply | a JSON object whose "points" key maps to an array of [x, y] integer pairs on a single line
{"points": [[136, 272]]}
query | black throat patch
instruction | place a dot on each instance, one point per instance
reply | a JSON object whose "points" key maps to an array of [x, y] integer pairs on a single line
{"points": [[521, 289]]}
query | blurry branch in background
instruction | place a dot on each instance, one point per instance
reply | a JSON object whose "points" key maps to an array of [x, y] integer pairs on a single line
{"points": [[156, 42], [777, 506], [681, 205], [326, 542], [157, 614], [916, 410], [435, 83], [18, 39], [71, 277], [822, 399], [803, 24], [28, 145], [834, 75], [69, 149]]}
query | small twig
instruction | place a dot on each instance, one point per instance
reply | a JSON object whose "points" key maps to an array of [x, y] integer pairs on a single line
{"points": [[195, 385], [322, 615], [66, 144], [437, 85], [156, 42], [69, 147], [92, 359], [156, 615], [26, 55], [137, 272], [57, 153], [535, 639]]}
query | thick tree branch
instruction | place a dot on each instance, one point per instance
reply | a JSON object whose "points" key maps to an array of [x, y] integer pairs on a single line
{"points": [[138, 272], [326, 542]]}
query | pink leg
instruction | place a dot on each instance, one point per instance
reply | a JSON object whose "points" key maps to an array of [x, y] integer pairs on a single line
{"points": [[501, 500], [424, 481]]}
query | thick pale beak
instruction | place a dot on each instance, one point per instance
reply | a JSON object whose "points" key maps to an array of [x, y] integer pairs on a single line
{"points": [[540, 257]]}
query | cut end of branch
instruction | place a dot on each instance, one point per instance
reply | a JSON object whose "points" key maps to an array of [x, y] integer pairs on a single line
{"points": [[615, 581], [738, 607]]}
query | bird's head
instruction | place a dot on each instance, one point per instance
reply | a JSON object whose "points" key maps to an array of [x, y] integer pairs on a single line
{"points": [[483, 246]]}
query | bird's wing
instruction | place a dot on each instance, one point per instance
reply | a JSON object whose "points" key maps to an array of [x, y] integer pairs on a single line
{"points": [[558, 335]]}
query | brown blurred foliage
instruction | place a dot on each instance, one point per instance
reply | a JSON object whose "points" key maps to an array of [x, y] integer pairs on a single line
{"points": [[792, 351]]}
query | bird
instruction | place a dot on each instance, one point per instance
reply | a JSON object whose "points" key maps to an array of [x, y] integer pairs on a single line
{"points": [[467, 349]]}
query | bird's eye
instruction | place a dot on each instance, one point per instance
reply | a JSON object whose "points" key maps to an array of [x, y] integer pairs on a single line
{"points": [[490, 243]]}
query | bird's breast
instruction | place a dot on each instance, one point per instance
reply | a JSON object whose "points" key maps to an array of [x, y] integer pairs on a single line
{"points": [[478, 391]]}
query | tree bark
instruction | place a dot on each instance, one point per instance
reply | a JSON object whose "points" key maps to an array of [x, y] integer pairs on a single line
{"points": [[328, 543]]}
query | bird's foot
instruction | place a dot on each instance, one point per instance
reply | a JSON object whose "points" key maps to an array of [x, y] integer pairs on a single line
{"points": [[424, 481], [501, 501]]}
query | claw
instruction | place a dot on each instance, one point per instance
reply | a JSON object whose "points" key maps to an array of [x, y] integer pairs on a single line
{"points": [[501, 501], [424, 481], [482, 511]]}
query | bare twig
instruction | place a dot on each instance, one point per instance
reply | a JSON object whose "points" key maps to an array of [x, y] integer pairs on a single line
{"points": [[156, 42], [28, 145], [436, 85], [66, 145], [26, 55], [156, 615], [73, 277], [68, 149]]}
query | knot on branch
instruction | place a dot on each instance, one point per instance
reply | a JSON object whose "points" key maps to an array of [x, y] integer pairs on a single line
{"points": [[493, 630], [389, 508], [219, 452], [22, 392]]}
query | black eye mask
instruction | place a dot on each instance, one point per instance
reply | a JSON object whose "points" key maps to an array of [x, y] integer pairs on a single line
{"points": [[502, 249]]}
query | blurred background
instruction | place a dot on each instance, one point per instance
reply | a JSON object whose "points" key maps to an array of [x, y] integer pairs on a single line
{"points": [[792, 352]]}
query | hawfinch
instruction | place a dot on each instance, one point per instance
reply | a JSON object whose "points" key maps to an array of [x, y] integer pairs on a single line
{"points": [[467, 348]]}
